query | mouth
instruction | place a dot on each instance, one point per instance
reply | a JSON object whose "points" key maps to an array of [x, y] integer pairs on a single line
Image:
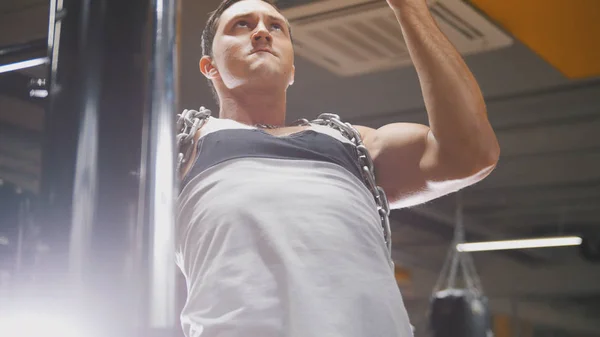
{"points": [[263, 50]]}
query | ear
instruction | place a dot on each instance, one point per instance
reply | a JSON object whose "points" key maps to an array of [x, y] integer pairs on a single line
{"points": [[292, 75], [207, 68]]}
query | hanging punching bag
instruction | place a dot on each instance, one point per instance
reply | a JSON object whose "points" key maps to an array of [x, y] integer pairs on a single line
{"points": [[459, 313]]}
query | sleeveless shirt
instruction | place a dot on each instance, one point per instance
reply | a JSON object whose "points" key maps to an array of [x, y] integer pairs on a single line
{"points": [[278, 236]]}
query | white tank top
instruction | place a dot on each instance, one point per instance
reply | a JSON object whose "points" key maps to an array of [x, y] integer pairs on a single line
{"points": [[278, 236]]}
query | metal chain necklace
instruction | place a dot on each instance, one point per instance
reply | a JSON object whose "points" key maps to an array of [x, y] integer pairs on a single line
{"points": [[190, 121], [266, 126]]}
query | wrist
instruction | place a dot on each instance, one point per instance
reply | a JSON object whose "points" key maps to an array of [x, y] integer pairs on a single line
{"points": [[402, 8], [411, 13]]}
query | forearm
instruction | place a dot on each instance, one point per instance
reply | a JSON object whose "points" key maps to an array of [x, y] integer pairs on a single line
{"points": [[454, 103]]}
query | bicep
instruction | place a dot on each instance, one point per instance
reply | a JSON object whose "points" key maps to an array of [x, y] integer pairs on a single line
{"points": [[398, 151], [409, 165], [412, 169]]}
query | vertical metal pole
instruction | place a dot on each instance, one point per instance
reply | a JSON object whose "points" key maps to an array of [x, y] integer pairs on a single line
{"points": [[109, 180], [59, 144], [159, 182]]}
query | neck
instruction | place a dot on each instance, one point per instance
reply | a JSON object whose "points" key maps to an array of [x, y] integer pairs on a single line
{"points": [[253, 108]]}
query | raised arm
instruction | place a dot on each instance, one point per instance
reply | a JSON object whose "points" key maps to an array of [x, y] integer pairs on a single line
{"points": [[416, 163]]}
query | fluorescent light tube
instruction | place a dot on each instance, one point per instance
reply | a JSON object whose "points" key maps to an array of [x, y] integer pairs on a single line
{"points": [[519, 244], [4, 68]]}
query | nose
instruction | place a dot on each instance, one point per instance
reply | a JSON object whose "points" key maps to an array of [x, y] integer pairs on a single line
{"points": [[262, 34]]}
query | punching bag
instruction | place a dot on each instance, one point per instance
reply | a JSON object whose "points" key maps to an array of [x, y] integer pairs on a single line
{"points": [[455, 311], [459, 313]]}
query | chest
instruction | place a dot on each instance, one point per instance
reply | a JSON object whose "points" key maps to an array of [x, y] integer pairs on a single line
{"points": [[290, 138], [285, 131], [292, 145]]}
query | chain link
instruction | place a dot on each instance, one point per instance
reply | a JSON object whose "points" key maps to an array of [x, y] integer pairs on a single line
{"points": [[368, 170], [188, 124], [190, 121]]}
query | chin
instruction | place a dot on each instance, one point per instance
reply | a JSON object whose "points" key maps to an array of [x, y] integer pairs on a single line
{"points": [[264, 65], [266, 83], [267, 75]]}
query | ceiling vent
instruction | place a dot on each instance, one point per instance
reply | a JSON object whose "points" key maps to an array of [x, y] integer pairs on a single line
{"points": [[353, 37]]}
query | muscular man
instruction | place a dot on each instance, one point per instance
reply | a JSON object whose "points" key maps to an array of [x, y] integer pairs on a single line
{"points": [[278, 232]]}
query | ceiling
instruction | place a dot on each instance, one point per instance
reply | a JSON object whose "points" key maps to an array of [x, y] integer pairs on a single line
{"points": [[547, 181]]}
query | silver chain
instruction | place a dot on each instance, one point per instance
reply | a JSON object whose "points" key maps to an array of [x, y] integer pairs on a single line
{"points": [[368, 170], [190, 121], [188, 124]]}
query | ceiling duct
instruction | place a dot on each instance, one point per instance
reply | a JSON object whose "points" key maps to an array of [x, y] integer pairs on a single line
{"points": [[354, 37]]}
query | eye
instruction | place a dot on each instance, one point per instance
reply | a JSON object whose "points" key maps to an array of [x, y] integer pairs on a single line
{"points": [[277, 26], [242, 23]]}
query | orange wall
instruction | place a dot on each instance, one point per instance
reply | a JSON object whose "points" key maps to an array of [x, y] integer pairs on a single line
{"points": [[504, 326], [566, 33]]}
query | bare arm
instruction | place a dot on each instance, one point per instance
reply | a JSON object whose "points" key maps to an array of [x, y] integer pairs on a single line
{"points": [[454, 103], [418, 163]]}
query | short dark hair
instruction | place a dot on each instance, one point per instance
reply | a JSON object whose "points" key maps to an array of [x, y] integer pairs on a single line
{"points": [[210, 30]]}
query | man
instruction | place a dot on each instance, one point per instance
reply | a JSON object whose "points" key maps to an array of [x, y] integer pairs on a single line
{"points": [[278, 231]]}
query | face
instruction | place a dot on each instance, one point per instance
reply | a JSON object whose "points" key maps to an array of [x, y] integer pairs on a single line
{"points": [[252, 47]]}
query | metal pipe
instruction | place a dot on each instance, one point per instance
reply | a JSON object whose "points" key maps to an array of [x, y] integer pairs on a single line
{"points": [[109, 179], [24, 55], [159, 178]]}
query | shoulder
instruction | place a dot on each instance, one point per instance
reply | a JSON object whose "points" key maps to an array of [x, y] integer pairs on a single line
{"points": [[365, 132]]}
